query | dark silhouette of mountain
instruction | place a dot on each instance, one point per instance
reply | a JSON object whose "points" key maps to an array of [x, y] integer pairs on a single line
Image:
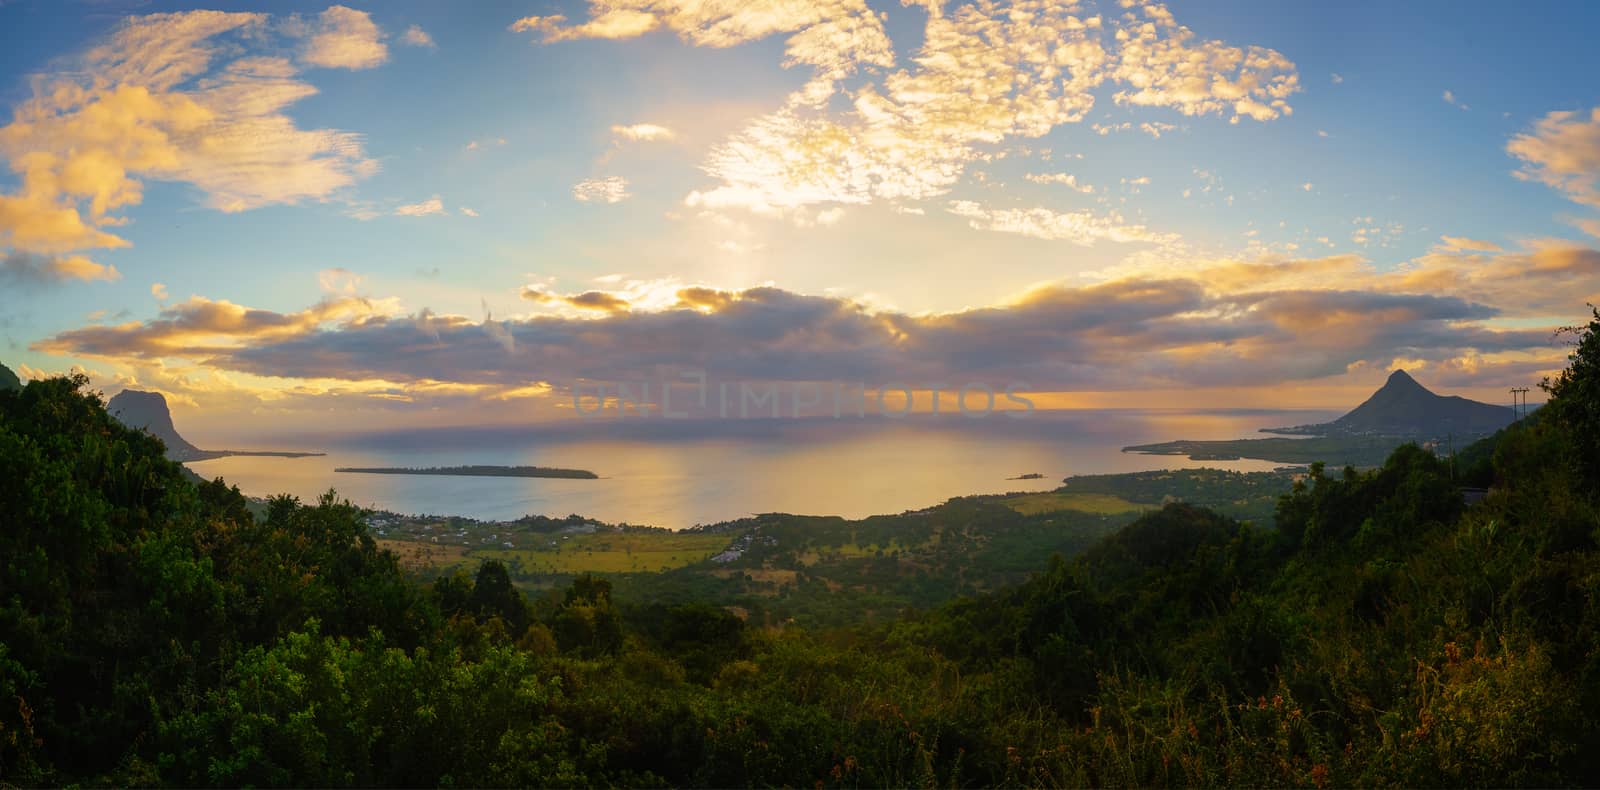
{"points": [[9, 380], [1402, 407], [148, 410]]}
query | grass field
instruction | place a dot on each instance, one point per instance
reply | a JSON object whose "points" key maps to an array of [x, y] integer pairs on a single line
{"points": [[601, 552], [1050, 502], [416, 554], [611, 552]]}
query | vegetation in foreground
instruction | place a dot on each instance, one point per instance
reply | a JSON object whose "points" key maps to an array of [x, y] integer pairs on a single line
{"points": [[153, 631]]}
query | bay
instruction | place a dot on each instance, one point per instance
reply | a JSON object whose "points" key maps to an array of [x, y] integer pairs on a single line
{"points": [[677, 474]]}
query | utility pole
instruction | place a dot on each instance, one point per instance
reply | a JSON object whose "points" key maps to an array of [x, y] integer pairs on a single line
{"points": [[1514, 392]]}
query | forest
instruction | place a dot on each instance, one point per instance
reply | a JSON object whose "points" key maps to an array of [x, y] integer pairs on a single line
{"points": [[1375, 630]]}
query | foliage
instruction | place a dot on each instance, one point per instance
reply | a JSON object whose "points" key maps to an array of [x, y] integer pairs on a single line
{"points": [[154, 631]]}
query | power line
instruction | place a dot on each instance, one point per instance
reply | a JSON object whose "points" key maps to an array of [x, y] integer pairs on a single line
{"points": [[1514, 392]]}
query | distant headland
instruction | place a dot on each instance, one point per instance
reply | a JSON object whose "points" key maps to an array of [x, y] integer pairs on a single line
{"points": [[478, 471], [148, 411], [1400, 411]]}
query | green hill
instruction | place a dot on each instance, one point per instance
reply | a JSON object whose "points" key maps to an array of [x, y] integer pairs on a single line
{"points": [[1382, 632]]}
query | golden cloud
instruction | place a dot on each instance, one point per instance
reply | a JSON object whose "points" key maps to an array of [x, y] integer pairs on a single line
{"points": [[147, 104]]}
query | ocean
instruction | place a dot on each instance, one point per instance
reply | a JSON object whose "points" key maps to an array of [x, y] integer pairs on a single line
{"points": [[678, 474]]}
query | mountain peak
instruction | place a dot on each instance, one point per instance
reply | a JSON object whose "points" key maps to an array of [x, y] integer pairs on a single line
{"points": [[9, 380], [148, 411], [1403, 407], [1400, 378]]}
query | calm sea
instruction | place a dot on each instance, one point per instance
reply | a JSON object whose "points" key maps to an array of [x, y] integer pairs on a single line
{"points": [[677, 474]]}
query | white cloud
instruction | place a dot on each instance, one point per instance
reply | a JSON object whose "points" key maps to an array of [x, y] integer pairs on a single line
{"points": [[432, 205], [611, 189], [1463, 244], [1079, 227], [339, 281], [147, 102], [642, 132], [1156, 129], [832, 36], [467, 212], [1165, 65], [1336, 78], [1562, 151], [1450, 98], [982, 75], [342, 38], [1065, 179], [417, 37]]}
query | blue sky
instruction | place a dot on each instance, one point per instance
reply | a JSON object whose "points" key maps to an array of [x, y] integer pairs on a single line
{"points": [[1336, 160]]}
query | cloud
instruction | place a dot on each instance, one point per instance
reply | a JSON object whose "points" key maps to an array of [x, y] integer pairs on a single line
{"points": [[339, 281], [1137, 332], [611, 189], [1079, 227], [1553, 277], [1064, 179], [432, 205], [1166, 65], [832, 36], [643, 132], [467, 212], [1463, 244], [1156, 129], [983, 74], [202, 328], [499, 332], [1335, 78], [26, 268], [343, 38], [1450, 98], [417, 37], [159, 291], [149, 102], [589, 300], [1562, 151]]}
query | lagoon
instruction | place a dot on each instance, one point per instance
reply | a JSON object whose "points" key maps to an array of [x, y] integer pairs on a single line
{"points": [[678, 474]]}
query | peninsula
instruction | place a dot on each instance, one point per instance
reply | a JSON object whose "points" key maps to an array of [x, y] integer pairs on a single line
{"points": [[1401, 411], [477, 471]]}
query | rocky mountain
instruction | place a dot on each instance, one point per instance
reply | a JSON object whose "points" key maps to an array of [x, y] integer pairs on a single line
{"points": [[9, 380], [1402, 407], [148, 410]]}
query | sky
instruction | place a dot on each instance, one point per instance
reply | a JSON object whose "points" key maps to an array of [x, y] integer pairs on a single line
{"points": [[431, 213]]}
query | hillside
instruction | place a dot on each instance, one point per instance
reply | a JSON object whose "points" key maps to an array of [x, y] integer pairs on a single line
{"points": [[8, 379], [1382, 633]]}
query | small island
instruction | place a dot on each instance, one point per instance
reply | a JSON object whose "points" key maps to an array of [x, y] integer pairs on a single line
{"points": [[1028, 476], [478, 471]]}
